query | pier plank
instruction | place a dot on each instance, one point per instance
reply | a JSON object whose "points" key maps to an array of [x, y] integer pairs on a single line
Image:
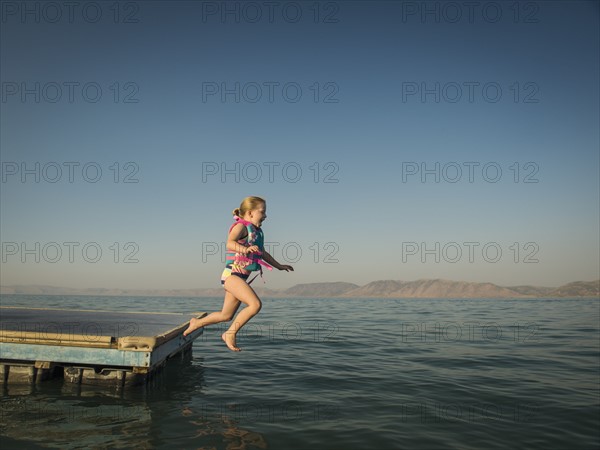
{"points": [[108, 344]]}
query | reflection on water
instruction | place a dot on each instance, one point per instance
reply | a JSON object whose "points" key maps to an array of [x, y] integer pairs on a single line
{"points": [[228, 433], [57, 414]]}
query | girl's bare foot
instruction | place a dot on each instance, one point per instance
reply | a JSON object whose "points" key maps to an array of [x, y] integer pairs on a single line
{"points": [[194, 325], [229, 339]]}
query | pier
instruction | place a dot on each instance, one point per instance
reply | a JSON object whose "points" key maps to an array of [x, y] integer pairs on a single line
{"points": [[93, 347]]}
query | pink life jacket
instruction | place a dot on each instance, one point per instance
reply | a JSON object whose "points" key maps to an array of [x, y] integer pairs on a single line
{"points": [[251, 261]]}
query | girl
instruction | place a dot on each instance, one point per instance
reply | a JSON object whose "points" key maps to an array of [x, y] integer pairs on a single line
{"points": [[245, 245]]}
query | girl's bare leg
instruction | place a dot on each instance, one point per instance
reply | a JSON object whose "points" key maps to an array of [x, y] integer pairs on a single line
{"points": [[230, 306], [244, 293]]}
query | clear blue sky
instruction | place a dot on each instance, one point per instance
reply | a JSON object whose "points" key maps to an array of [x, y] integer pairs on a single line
{"points": [[364, 94]]}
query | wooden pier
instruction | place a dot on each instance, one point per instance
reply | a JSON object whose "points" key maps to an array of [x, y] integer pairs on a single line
{"points": [[89, 346]]}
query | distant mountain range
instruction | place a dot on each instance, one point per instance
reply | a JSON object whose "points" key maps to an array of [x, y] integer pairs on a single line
{"points": [[436, 288]]}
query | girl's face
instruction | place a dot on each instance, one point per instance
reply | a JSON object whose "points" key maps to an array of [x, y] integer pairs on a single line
{"points": [[257, 216]]}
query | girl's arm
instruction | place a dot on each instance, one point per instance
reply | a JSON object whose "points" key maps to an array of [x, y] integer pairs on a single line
{"points": [[270, 260], [234, 236]]}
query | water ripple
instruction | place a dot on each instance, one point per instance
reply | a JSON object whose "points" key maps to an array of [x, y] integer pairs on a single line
{"points": [[342, 373]]}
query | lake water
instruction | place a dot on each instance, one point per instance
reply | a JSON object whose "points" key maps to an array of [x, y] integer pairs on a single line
{"points": [[340, 374]]}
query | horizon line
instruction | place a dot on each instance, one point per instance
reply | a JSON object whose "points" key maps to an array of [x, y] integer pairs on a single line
{"points": [[285, 288]]}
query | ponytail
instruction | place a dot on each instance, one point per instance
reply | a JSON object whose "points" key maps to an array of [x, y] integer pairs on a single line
{"points": [[248, 204]]}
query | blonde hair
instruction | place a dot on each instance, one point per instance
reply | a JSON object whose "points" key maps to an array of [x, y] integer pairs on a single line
{"points": [[248, 204]]}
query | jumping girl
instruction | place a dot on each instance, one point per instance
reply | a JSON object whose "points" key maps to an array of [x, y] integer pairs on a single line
{"points": [[245, 254]]}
